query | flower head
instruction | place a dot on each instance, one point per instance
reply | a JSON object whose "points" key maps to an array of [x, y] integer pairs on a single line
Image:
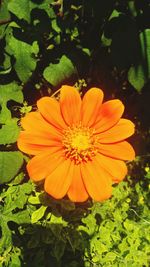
{"points": [[78, 145]]}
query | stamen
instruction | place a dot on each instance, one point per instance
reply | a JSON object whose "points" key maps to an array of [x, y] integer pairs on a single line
{"points": [[80, 144]]}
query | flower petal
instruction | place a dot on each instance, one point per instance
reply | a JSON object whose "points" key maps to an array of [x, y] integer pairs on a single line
{"points": [[109, 114], [33, 122], [70, 104], [38, 139], [122, 130], [40, 166], [50, 110], [32, 149], [97, 181], [77, 191], [116, 168], [34, 144], [58, 182], [91, 104], [122, 150]]}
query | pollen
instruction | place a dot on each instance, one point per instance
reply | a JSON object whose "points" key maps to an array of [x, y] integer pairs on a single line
{"points": [[79, 143]]}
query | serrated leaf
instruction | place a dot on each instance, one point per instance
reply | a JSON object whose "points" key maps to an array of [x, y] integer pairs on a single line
{"points": [[57, 73], [11, 91], [6, 239], [38, 214], [139, 73], [16, 197], [24, 54], [10, 164], [9, 132]]}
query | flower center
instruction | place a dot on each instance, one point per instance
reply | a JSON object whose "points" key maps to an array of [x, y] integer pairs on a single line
{"points": [[79, 143]]}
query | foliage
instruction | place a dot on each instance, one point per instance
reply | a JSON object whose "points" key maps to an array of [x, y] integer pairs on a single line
{"points": [[38, 230], [44, 44]]}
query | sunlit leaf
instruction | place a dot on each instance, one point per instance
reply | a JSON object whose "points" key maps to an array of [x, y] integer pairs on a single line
{"points": [[10, 164], [11, 91], [24, 54], [9, 132], [38, 214], [57, 73]]}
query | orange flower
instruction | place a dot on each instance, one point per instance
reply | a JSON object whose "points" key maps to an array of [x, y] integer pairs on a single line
{"points": [[78, 145]]}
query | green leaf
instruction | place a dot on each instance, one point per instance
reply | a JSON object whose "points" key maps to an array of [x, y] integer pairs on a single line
{"points": [[6, 67], [114, 14], [4, 14], [20, 8], [15, 261], [21, 217], [11, 91], [38, 214], [106, 41], [6, 239], [139, 73], [34, 200], [58, 249], [10, 164], [24, 54], [57, 73], [9, 132], [136, 77]]}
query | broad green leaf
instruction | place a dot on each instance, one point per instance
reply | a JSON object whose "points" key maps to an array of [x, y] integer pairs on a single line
{"points": [[20, 8], [57, 73], [11, 91], [139, 73], [10, 164], [21, 217], [9, 132], [38, 214], [4, 13], [4, 16], [24, 54]]}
